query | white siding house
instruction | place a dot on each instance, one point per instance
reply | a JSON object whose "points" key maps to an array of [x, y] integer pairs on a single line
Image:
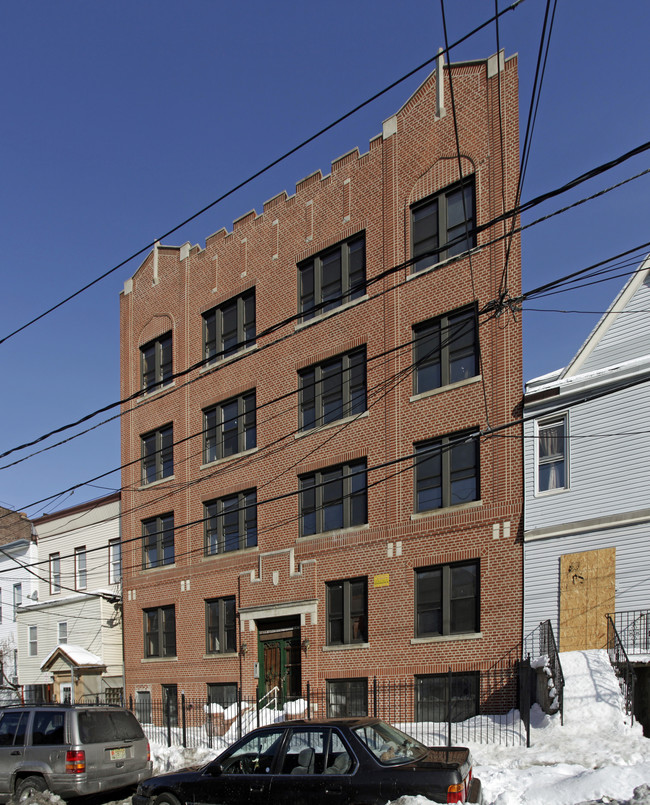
{"points": [[17, 552], [70, 638], [587, 488]]}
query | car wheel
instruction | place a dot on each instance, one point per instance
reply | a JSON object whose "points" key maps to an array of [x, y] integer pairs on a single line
{"points": [[166, 798], [26, 788]]}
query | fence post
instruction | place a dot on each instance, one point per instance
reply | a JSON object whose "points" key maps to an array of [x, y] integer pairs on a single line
{"points": [[131, 702], [239, 719], [168, 704], [208, 711], [524, 695], [183, 719], [374, 696], [308, 702], [448, 695]]}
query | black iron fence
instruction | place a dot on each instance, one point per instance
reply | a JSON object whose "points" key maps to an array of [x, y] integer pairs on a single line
{"points": [[633, 629], [490, 705], [621, 664], [541, 649]]}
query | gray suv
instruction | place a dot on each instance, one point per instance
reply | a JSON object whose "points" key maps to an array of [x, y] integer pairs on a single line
{"points": [[70, 749]]}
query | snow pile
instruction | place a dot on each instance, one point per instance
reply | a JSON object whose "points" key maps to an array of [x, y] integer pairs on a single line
{"points": [[595, 758]]}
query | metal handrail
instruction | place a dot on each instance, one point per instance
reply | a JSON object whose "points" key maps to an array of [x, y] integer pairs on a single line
{"points": [[621, 664]]}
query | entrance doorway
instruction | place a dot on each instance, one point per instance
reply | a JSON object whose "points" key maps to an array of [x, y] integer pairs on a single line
{"points": [[587, 594], [279, 658]]}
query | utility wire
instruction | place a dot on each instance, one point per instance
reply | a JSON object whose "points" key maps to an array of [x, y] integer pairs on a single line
{"points": [[474, 232], [254, 176]]}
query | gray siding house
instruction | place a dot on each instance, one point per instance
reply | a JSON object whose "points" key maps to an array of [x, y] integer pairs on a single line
{"points": [[587, 484]]}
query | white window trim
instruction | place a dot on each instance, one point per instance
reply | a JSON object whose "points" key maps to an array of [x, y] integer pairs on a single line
{"points": [[542, 423]]}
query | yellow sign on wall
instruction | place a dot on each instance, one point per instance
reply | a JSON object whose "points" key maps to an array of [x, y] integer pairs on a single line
{"points": [[382, 580]]}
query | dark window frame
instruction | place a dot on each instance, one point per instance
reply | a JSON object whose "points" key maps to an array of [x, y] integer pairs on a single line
{"points": [[156, 362], [438, 597], [442, 352], [315, 295], [455, 704], [218, 437], [158, 547], [219, 516], [159, 628], [443, 468], [157, 454], [356, 702], [431, 227], [220, 625], [220, 339], [347, 624], [333, 389], [228, 691], [318, 498]]}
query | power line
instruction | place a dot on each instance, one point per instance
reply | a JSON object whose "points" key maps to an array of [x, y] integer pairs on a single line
{"points": [[254, 176], [400, 266]]}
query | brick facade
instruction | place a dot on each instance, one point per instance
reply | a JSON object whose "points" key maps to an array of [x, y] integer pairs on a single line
{"points": [[280, 585]]}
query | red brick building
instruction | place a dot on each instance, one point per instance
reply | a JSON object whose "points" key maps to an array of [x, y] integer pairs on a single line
{"points": [[304, 495]]}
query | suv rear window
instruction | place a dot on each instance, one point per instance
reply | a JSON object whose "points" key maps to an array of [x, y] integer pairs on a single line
{"points": [[47, 729], [100, 726]]}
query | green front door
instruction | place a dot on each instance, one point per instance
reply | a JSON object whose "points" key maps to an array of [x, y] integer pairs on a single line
{"points": [[279, 655]]}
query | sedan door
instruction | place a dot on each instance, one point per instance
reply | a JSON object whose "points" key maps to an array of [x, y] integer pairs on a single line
{"points": [[242, 774], [316, 769]]}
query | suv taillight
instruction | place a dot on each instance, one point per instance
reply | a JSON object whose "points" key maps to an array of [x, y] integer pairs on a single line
{"points": [[148, 752], [75, 761]]}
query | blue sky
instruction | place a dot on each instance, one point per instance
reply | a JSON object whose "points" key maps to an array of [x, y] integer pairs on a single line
{"points": [[123, 118]]}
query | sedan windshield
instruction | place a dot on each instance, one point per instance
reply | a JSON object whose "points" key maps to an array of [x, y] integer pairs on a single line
{"points": [[390, 745]]}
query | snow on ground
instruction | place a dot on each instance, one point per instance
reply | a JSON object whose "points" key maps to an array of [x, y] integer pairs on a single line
{"points": [[596, 758]]}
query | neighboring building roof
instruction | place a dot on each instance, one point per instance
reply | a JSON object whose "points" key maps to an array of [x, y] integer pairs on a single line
{"points": [[74, 655], [14, 526], [616, 346]]}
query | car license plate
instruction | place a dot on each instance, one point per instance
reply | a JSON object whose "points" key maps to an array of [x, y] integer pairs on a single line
{"points": [[118, 754]]}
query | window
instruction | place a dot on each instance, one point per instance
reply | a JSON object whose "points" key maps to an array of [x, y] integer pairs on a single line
{"points": [[222, 694], [33, 641], [552, 455], [160, 632], [333, 390], [170, 705], [332, 278], [114, 561], [158, 541], [18, 597], [229, 428], [13, 727], [55, 573], [143, 706], [220, 625], [231, 523], [445, 350], [156, 362], [80, 571], [334, 498], [447, 599], [443, 225], [157, 454], [439, 698], [62, 630], [446, 472], [347, 611], [230, 327], [347, 697]]}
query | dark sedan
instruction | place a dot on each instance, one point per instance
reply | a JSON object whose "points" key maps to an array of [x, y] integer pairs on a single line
{"points": [[360, 761]]}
